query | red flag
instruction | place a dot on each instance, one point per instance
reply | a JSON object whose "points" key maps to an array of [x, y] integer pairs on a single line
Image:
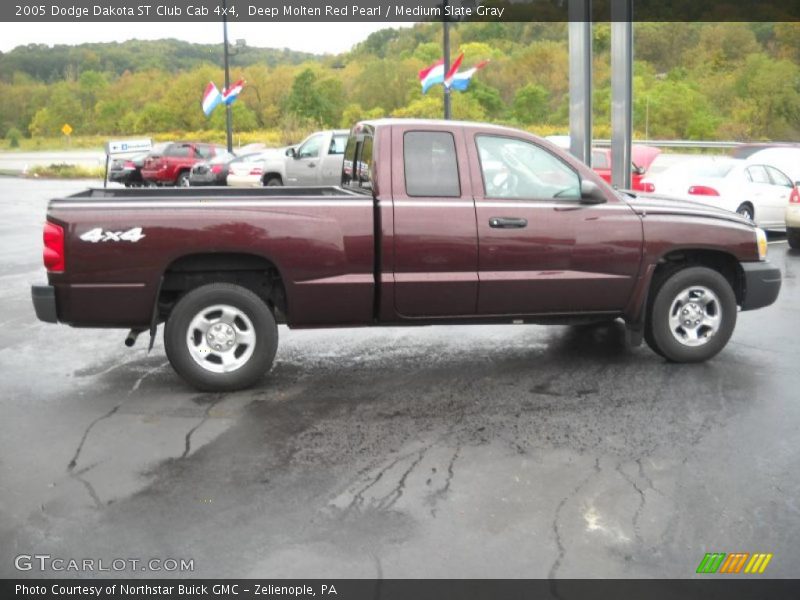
{"points": [[448, 79]]}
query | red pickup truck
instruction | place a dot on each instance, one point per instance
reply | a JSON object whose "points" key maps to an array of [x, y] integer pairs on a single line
{"points": [[434, 222], [173, 165]]}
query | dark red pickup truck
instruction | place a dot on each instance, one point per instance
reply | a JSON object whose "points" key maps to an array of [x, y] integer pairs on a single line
{"points": [[434, 222]]}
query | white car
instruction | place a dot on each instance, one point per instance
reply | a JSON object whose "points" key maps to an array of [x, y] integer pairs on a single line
{"points": [[757, 191], [248, 170], [788, 161]]}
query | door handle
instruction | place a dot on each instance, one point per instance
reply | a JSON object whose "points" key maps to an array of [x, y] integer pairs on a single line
{"points": [[507, 223], [310, 165]]}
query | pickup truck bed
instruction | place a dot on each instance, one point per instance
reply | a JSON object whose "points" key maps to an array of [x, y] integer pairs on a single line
{"points": [[322, 236], [435, 222]]}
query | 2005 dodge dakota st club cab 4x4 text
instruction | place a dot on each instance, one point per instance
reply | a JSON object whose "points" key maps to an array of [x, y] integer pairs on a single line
{"points": [[434, 222]]}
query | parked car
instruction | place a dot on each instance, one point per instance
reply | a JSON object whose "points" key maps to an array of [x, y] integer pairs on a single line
{"points": [[173, 165], [417, 233], [127, 170], [211, 172], [248, 170], [786, 158], [756, 191], [317, 160], [642, 157]]}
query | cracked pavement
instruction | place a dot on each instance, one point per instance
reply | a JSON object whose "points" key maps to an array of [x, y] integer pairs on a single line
{"points": [[477, 451]]}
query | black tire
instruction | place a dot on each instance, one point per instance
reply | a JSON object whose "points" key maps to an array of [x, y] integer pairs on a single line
{"points": [[746, 210], [265, 331], [273, 181], [658, 332], [793, 237], [183, 180]]}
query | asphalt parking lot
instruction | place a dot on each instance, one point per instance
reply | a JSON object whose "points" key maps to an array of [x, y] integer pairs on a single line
{"points": [[482, 451]]}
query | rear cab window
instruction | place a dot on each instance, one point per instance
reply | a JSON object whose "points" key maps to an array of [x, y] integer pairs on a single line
{"points": [[430, 164], [178, 151]]}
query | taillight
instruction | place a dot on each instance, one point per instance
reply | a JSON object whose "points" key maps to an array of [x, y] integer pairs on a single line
{"points": [[649, 187], [256, 171], [794, 197], [53, 254], [216, 168], [703, 190], [129, 164]]}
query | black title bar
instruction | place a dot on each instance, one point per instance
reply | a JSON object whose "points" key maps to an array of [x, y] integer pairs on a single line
{"points": [[263, 11]]}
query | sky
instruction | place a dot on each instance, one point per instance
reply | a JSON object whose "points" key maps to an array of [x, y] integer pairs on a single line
{"points": [[317, 37]]}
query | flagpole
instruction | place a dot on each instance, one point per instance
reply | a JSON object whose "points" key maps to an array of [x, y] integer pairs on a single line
{"points": [[228, 113], [446, 44]]}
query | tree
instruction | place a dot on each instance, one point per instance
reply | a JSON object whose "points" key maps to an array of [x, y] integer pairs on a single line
{"points": [[531, 104], [305, 100]]}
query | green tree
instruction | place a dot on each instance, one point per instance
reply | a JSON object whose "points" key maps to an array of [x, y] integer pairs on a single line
{"points": [[531, 104], [305, 100]]}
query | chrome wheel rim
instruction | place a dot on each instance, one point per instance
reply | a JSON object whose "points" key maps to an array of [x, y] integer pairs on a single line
{"points": [[745, 212], [695, 316], [221, 338]]}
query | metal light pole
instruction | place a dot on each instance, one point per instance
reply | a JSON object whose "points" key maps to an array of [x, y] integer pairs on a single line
{"points": [[228, 113], [621, 92], [446, 45], [580, 79]]}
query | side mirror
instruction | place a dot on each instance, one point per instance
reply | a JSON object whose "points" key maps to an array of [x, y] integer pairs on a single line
{"points": [[291, 152], [591, 193]]}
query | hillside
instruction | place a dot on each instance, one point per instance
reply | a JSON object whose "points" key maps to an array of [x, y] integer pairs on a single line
{"points": [[692, 80]]}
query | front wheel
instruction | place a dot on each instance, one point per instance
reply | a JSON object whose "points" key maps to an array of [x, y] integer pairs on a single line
{"points": [[692, 315], [183, 180], [221, 337]]}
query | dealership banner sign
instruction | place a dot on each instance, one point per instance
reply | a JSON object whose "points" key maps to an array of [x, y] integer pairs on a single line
{"points": [[385, 10]]}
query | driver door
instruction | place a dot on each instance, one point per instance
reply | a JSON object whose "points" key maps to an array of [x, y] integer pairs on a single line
{"points": [[304, 168], [540, 249]]}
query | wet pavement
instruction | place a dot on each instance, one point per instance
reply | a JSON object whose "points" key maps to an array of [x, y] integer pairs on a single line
{"points": [[475, 451]]}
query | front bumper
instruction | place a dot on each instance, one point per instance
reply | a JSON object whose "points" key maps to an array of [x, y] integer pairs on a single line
{"points": [[762, 282], [44, 303]]}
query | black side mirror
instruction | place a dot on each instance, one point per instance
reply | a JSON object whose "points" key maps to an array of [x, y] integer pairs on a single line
{"points": [[291, 152], [591, 193]]}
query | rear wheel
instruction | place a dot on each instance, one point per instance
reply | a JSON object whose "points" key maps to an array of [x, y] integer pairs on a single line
{"points": [[221, 337], [183, 180], [692, 315], [273, 181], [793, 236], [746, 210]]}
